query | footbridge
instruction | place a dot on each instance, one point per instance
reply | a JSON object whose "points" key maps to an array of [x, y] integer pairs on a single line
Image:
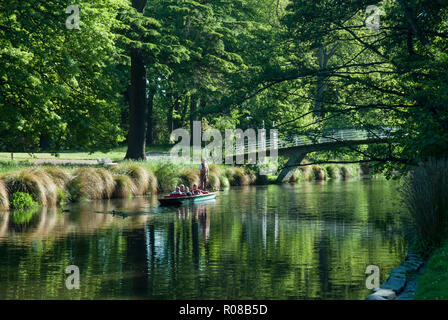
{"points": [[296, 147]]}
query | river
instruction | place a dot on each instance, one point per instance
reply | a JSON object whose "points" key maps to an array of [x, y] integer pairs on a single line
{"points": [[306, 241]]}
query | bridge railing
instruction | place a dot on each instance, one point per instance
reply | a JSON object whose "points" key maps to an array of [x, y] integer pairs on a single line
{"points": [[284, 141]]}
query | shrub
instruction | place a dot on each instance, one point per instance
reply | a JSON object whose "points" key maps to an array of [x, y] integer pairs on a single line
{"points": [[22, 200], [331, 172], [124, 186], [424, 193], [190, 176], [4, 200], [213, 181], [87, 184], [60, 177]]}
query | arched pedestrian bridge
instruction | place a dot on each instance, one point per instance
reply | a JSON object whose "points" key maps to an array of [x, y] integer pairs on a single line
{"points": [[295, 148]]}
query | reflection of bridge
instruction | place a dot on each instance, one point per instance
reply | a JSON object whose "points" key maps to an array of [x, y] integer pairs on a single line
{"points": [[295, 148]]}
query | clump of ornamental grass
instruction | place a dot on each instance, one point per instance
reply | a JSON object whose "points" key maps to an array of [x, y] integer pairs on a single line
{"points": [[252, 177], [152, 182], [60, 177], [224, 181], [213, 181], [108, 182], [318, 173], [34, 182], [295, 177], [237, 176], [167, 176], [215, 169], [331, 172], [51, 189], [124, 186], [138, 174], [190, 176], [425, 194], [86, 184], [4, 199], [344, 173]]}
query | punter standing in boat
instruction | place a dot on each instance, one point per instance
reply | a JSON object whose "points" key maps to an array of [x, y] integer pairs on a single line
{"points": [[204, 174]]}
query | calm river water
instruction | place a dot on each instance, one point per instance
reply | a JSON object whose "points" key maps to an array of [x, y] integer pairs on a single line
{"points": [[307, 241]]}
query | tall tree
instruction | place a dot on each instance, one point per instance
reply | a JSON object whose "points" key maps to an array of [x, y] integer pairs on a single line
{"points": [[137, 100]]}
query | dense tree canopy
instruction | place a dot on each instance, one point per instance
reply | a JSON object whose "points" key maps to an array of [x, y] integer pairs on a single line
{"points": [[136, 70]]}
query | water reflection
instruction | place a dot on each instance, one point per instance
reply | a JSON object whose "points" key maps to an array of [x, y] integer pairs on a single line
{"points": [[270, 242]]}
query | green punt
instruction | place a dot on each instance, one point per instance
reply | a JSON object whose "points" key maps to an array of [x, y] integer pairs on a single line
{"points": [[182, 200]]}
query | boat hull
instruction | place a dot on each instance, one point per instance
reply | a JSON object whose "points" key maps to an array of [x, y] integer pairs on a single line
{"points": [[184, 200]]}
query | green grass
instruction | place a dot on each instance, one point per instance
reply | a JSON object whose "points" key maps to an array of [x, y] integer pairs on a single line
{"points": [[114, 154], [433, 284]]}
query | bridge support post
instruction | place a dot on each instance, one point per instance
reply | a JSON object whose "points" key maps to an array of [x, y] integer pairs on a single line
{"points": [[291, 166]]}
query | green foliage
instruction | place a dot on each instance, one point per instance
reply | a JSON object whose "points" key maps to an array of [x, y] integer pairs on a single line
{"points": [[433, 284], [22, 200], [424, 193]]}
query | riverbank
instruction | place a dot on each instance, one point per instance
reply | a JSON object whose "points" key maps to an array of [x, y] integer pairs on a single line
{"points": [[50, 184], [433, 284]]}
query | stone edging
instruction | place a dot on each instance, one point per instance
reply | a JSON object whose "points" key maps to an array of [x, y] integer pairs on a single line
{"points": [[398, 279]]}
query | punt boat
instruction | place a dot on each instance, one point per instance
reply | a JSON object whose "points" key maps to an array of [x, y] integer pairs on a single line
{"points": [[176, 201]]}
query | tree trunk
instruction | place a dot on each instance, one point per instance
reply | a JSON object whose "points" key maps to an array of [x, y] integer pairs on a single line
{"points": [[137, 100], [193, 107], [149, 128]]}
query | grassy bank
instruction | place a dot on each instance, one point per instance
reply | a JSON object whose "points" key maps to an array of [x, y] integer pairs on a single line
{"points": [[52, 184], [425, 195], [433, 284]]}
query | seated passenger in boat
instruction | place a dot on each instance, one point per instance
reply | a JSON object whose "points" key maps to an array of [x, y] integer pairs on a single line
{"points": [[187, 192], [195, 191], [182, 190], [176, 193]]}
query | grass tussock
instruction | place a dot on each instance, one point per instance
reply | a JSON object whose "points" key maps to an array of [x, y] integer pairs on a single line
{"points": [[190, 176], [424, 193], [213, 168], [139, 175], [213, 181], [318, 173], [124, 186], [167, 176], [237, 176], [344, 172], [108, 182], [87, 184], [4, 199], [60, 177], [332, 173], [34, 182], [224, 181]]}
